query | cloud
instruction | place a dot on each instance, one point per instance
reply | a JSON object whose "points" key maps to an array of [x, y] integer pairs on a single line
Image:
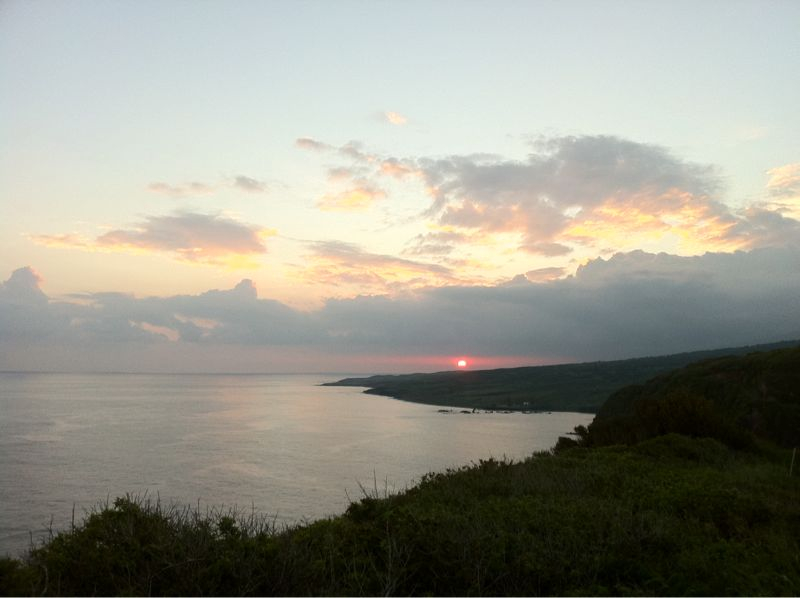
{"points": [[341, 175], [189, 237], [352, 193], [23, 288], [190, 189], [353, 199], [394, 118], [347, 269], [547, 249], [196, 188], [435, 243], [114, 320], [545, 274], [785, 180], [355, 188], [399, 169], [763, 227], [579, 191], [354, 151], [308, 143], [185, 236], [26, 314], [632, 304], [775, 221], [583, 195], [250, 185], [66, 240], [784, 190]]}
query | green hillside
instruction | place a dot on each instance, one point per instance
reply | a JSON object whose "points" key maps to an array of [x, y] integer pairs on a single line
{"points": [[569, 387], [757, 393]]}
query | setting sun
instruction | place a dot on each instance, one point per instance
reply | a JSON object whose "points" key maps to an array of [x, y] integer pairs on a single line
{"points": [[462, 363]]}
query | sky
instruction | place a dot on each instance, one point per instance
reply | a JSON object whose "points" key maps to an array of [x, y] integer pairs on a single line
{"points": [[356, 186]]}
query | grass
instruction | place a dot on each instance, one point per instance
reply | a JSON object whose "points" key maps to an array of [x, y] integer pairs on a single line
{"points": [[669, 516]]}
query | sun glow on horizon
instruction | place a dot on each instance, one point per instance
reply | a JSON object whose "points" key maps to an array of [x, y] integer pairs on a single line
{"points": [[462, 363]]}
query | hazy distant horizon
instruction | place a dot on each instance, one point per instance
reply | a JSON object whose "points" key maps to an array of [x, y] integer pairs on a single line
{"points": [[334, 376]]}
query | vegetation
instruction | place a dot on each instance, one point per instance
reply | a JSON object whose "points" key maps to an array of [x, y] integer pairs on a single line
{"points": [[570, 387], [674, 490], [671, 516], [726, 398]]}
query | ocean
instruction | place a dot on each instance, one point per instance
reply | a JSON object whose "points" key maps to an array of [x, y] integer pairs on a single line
{"points": [[279, 444]]}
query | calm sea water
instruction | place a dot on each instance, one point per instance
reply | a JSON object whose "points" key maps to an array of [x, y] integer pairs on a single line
{"points": [[278, 443]]}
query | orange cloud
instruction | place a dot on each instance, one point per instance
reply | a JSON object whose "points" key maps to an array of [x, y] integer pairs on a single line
{"points": [[571, 195], [398, 169], [188, 237], [355, 199], [785, 179], [784, 190], [68, 240], [395, 118], [582, 191], [692, 224]]}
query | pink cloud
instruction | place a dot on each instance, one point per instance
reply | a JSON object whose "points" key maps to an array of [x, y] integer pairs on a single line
{"points": [[307, 143]]}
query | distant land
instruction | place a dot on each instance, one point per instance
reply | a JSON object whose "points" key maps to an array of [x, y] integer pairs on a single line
{"points": [[728, 398], [581, 387]]}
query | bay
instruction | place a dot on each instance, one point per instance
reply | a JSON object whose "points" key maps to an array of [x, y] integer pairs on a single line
{"points": [[279, 444]]}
